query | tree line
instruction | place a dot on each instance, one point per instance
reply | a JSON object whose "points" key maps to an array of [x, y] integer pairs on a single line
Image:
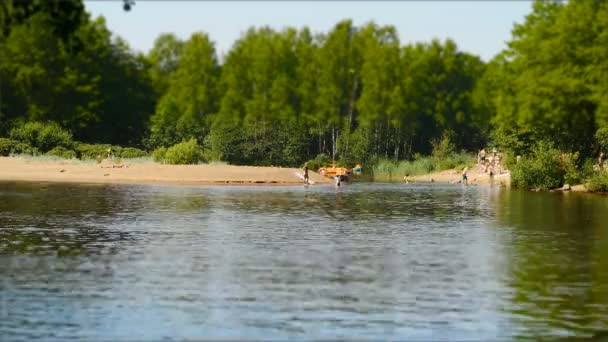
{"points": [[354, 94]]}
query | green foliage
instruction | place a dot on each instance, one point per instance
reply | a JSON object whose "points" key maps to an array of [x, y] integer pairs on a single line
{"points": [[455, 161], [224, 144], [443, 147], [354, 93], [93, 151], [549, 79], [321, 160], [6, 146], [355, 148], [186, 152], [42, 136], [389, 169], [543, 169], [62, 152], [601, 136], [159, 154], [9, 147], [516, 143], [184, 111], [131, 152], [598, 182]]}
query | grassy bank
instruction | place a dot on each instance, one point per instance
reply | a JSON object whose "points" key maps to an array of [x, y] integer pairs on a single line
{"points": [[392, 170]]}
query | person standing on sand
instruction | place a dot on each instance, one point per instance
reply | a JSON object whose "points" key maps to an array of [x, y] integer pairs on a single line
{"points": [[305, 169]]}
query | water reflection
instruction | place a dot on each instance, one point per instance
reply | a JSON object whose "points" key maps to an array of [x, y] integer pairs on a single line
{"points": [[558, 261], [379, 261]]}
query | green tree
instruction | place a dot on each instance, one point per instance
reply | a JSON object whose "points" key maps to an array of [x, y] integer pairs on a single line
{"points": [[186, 110]]}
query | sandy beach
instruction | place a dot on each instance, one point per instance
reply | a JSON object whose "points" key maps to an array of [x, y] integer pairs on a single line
{"points": [[454, 176], [74, 171], [479, 178]]}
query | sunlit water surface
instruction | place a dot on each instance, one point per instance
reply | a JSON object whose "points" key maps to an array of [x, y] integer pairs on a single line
{"points": [[366, 261]]}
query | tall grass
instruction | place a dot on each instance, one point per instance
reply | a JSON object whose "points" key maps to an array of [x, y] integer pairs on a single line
{"points": [[388, 169]]}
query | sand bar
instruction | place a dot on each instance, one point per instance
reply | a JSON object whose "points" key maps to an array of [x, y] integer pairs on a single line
{"points": [[74, 171], [474, 175]]}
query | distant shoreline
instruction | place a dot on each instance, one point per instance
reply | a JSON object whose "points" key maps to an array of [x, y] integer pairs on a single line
{"points": [[74, 171], [475, 177], [454, 176]]}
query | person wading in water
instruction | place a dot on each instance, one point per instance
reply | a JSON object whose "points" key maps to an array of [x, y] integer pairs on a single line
{"points": [[305, 173], [465, 178]]}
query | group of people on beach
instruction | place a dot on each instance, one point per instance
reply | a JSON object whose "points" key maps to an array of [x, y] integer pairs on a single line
{"points": [[487, 163], [490, 163]]}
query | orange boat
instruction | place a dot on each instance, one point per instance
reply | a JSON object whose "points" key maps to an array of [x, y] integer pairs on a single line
{"points": [[334, 171]]}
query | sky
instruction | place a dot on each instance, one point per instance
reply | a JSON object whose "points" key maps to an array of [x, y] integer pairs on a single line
{"points": [[479, 27]]}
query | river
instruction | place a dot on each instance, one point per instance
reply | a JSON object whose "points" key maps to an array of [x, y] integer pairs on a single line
{"points": [[365, 261]]}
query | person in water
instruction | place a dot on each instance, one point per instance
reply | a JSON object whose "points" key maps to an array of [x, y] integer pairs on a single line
{"points": [[465, 178], [305, 169]]}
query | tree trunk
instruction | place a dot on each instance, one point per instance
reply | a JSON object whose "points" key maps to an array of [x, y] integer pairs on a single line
{"points": [[351, 108], [333, 143], [398, 144]]}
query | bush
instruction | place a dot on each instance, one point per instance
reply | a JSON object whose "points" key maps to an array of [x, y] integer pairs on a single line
{"points": [[543, 169], [187, 152], [159, 154], [225, 144], [601, 136], [42, 136], [62, 152], [569, 162], [320, 161], [7, 146], [92, 151], [387, 169], [355, 147], [131, 152], [443, 147], [598, 182]]}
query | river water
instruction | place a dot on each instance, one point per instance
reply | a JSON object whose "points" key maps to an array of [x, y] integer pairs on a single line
{"points": [[365, 261]]}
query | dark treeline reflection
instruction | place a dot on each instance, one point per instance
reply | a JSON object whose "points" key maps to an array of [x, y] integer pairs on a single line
{"points": [[43, 218], [70, 219], [558, 260], [364, 204]]}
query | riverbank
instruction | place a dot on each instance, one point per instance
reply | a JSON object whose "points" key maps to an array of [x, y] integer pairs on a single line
{"points": [[454, 176], [75, 171], [479, 178]]}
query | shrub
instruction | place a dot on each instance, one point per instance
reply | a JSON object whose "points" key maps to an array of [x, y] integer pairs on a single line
{"points": [[186, 152], [6, 146], [355, 147], [159, 154], [569, 163], [92, 151], [226, 144], [131, 152], [42, 136], [598, 182], [443, 147], [601, 136], [320, 161], [543, 169], [62, 152], [9, 146]]}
